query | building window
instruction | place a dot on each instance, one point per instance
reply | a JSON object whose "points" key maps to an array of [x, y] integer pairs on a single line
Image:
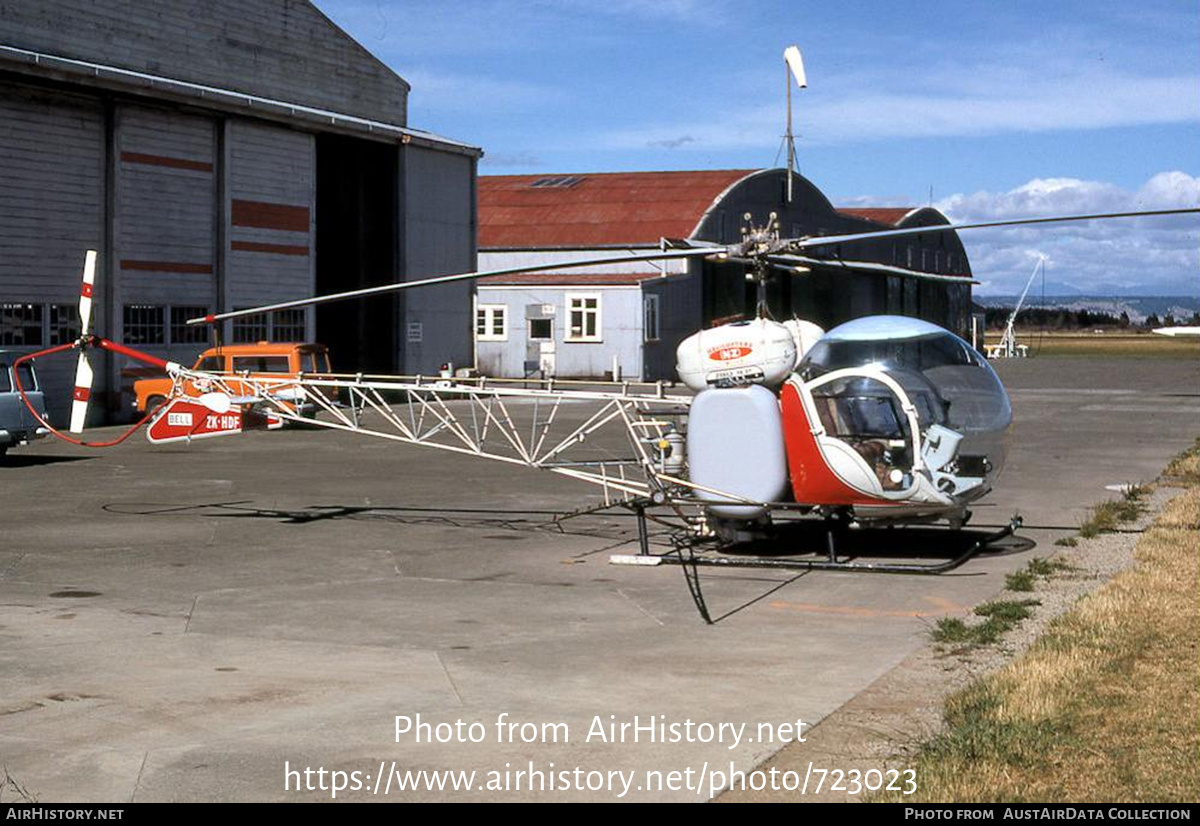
{"points": [[650, 318], [491, 322], [250, 328], [583, 315], [64, 323], [541, 329], [21, 325], [144, 324], [289, 325], [181, 332]]}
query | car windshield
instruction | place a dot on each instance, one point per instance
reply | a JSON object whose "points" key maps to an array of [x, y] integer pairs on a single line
{"points": [[317, 362], [5, 381]]}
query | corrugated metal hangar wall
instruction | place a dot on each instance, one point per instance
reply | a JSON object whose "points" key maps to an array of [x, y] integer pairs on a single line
{"points": [[219, 156]]}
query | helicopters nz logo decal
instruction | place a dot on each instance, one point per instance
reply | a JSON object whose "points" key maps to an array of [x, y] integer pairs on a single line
{"points": [[730, 352]]}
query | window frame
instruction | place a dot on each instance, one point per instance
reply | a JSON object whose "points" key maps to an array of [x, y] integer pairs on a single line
{"points": [[487, 313], [598, 312], [150, 332], [22, 324], [183, 333], [284, 323], [62, 323]]}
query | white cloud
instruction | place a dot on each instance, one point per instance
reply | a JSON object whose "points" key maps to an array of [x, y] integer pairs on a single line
{"points": [[1144, 255], [950, 101]]}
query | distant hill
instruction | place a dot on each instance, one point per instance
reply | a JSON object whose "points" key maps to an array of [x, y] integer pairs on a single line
{"points": [[1138, 307]]}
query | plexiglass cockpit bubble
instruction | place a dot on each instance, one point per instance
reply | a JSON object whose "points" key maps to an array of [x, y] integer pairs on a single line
{"points": [[962, 409]]}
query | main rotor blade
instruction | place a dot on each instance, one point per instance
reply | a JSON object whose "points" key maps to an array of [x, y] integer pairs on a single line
{"points": [[792, 262], [85, 292], [464, 276], [825, 240], [83, 392]]}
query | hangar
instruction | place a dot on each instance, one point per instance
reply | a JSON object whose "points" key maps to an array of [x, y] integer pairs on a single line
{"points": [[626, 319], [220, 155]]}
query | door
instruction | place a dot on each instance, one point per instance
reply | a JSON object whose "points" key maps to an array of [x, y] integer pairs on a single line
{"points": [[541, 354]]}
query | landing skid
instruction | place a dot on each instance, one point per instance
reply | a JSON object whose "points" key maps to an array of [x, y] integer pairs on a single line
{"points": [[684, 554]]}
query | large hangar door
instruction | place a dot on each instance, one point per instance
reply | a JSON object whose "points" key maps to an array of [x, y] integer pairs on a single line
{"points": [[270, 228], [51, 210], [164, 236], [357, 246]]}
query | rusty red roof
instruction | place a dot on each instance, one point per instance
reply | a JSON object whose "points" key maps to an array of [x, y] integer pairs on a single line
{"points": [[569, 279], [596, 209], [880, 215]]}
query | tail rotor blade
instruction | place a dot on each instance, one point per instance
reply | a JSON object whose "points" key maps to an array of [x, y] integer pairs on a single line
{"points": [[85, 293], [83, 392]]}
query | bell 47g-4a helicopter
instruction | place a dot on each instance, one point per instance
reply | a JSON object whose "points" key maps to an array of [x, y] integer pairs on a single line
{"points": [[881, 420]]}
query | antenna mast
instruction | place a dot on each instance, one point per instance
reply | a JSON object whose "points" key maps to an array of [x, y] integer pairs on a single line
{"points": [[793, 66]]}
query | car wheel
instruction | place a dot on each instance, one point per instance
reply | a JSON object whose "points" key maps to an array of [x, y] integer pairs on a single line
{"points": [[153, 402]]}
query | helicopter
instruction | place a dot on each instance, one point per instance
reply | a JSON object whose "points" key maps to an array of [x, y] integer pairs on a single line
{"points": [[882, 420]]}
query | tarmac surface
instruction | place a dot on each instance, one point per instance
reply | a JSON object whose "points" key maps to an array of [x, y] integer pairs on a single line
{"points": [[193, 622]]}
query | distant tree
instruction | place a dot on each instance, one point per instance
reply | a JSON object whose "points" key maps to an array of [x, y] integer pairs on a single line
{"points": [[1124, 319], [1168, 320], [1196, 319], [996, 317], [1152, 321]]}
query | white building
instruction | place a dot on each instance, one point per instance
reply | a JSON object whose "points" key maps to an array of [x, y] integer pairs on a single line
{"points": [[626, 319]]}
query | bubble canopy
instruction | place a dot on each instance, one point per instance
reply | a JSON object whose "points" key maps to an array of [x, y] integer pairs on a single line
{"points": [[947, 380]]}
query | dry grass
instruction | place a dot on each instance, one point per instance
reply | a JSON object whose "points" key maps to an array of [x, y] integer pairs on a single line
{"points": [[1107, 516], [1185, 469], [1128, 345], [1104, 707]]}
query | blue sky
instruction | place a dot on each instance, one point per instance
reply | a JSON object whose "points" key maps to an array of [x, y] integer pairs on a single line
{"points": [[1000, 108]]}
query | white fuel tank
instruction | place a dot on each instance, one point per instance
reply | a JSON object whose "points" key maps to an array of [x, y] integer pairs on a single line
{"points": [[805, 334], [745, 352], [735, 446]]}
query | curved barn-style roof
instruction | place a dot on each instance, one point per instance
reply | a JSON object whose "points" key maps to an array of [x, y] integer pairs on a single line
{"points": [[621, 209], [890, 216], [897, 216]]}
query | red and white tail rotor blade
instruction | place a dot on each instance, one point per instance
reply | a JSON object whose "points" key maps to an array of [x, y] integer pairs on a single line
{"points": [[83, 392], [83, 370], [85, 293]]}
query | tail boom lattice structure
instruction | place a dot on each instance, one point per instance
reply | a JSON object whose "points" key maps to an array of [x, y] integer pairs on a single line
{"points": [[612, 435]]}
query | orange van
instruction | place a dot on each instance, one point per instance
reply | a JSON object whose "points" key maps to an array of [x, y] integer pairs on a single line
{"points": [[263, 359]]}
